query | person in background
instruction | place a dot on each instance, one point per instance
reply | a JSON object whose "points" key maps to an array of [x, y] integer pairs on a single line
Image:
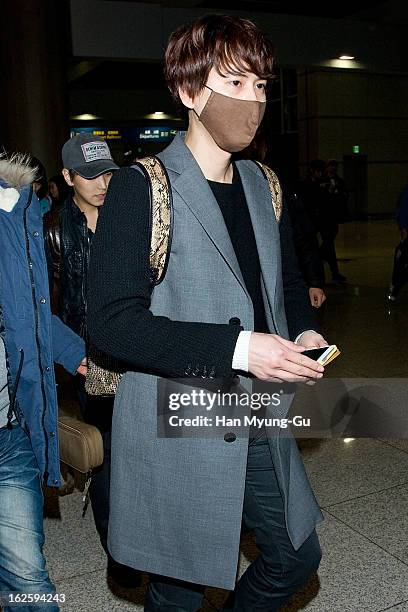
{"points": [[311, 193], [400, 268], [332, 202], [31, 340], [58, 190], [307, 249], [69, 231], [336, 188], [40, 186]]}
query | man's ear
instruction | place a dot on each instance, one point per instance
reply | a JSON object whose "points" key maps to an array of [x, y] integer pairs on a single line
{"points": [[65, 174], [186, 99]]}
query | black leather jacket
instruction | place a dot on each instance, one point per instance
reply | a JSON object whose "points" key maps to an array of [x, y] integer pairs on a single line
{"points": [[68, 241]]}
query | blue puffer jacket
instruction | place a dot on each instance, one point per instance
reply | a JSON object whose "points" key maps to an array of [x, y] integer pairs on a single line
{"points": [[34, 339]]}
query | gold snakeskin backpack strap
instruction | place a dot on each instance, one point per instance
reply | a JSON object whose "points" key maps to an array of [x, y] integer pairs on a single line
{"points": [[275, 189], [104, 373], [161, 204]]}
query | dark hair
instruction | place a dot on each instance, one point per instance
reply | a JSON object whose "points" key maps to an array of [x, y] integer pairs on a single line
{"points": [[317, 165], [215, 41], [40, 177], [63, 189]]}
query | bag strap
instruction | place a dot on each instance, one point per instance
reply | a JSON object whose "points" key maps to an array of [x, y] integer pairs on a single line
{"points": [[274, 188], [161, 218], [161, 207]]}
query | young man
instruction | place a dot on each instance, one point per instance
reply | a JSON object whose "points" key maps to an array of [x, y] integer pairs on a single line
{"points": [[30, 341], [177, 504], [321, 206], [88, 168]]}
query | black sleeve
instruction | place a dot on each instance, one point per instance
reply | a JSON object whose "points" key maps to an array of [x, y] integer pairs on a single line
{"points": [[119, 294], [305, 242], [299, 312]]}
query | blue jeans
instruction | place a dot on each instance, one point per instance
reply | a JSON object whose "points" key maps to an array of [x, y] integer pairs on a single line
{"points": [[22, 562], [276, 573]]}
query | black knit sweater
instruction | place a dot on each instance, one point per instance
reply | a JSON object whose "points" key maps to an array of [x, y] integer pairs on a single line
{"points": [[119, 292], [232, 202]]}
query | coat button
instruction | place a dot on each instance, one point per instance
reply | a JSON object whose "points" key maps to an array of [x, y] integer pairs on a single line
{"points": [[43, 300], [230, 437], [234, 321], [36, 234]]}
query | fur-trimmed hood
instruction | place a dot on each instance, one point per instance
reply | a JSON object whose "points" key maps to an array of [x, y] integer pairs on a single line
{"points": [[15, 173]]}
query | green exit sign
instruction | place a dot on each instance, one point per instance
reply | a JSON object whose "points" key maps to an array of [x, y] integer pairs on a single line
{"points": [[356, 148]]}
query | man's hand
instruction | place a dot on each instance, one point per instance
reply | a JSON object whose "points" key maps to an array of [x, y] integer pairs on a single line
{"points": [[83, 368], [311, 339], [274, 358], [317, 296]]}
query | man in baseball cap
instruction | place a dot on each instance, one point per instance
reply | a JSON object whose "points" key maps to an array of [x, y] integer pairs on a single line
{"points": [[89, 156], [88, 168]]}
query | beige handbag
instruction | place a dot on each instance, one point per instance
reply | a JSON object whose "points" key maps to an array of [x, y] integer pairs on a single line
{"points": [[81, 446], [81, 449]]}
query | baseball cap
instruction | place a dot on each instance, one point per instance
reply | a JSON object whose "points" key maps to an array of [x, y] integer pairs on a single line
{"points": [[88, 155]]}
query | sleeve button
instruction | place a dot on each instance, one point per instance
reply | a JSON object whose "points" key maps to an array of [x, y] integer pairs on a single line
{"points": [[234, 321]]}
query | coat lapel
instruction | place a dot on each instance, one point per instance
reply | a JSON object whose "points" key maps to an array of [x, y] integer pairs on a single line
{"points": [[193, 188], [264, 223]]}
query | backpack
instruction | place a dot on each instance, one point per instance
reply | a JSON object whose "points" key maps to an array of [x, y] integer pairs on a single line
{"points": [[104, 372]]}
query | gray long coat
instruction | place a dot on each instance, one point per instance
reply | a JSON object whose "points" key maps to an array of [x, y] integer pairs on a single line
{"points": [[176, 504]]}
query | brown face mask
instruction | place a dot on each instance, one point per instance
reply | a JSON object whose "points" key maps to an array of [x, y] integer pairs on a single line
{"points": [[231, 122]]}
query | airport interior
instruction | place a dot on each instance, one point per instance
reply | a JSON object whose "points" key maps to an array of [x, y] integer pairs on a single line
{"points": [[340, 92]]}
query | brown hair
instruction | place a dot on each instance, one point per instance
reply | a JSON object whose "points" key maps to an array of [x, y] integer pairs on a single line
{"points": [[220, 41]]}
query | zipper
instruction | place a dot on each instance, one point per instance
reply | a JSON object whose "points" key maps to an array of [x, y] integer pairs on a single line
{"points": [[13, 396], [84, 285], [36, 328]]}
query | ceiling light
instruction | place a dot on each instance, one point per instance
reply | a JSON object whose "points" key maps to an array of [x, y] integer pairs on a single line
{"points": [[348, 440], [158, 115], [346, 57], [85, 117]]}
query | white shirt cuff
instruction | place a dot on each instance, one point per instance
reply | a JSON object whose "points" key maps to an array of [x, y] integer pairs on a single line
{"points": [[301, 334], [241, 353]]}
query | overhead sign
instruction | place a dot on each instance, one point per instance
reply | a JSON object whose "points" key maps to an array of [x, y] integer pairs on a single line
{"points": [[130, 135]]}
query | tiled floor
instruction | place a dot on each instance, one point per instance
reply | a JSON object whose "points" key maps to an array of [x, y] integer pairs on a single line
{"points": [[361, 484]]}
